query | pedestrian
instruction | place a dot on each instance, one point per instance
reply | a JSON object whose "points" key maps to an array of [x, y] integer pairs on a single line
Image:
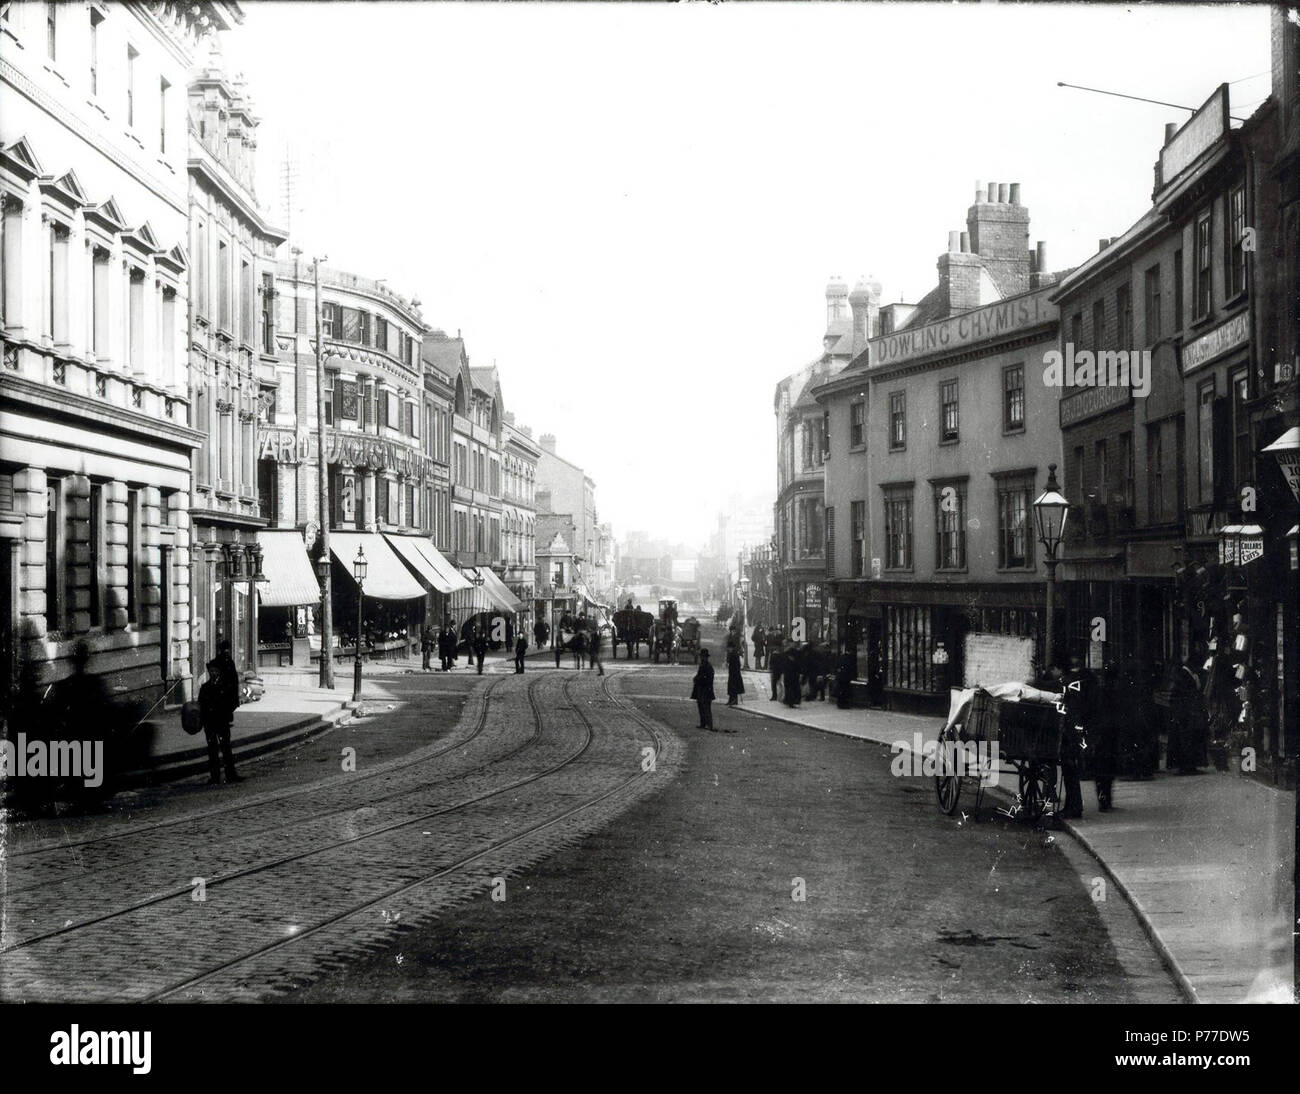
{"points": [[594, 652], [845, 672], [793, 671], [217, 713], [735, 682], [579, 649], [760, 646], [479, 648], [521, 648], [1189, 725], [558, 648], [1080, 702], [702, 691], [426, 646], [1109, 716], [776, 670], [539, 634]]}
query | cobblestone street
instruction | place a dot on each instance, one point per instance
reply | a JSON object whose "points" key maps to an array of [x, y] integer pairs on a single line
{"points": [[299, 877]]}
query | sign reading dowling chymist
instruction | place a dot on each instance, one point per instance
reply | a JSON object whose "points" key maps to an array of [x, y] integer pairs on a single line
{"points": [[1019, 313]]}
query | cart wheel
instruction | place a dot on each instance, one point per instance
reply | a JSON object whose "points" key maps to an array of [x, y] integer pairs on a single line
{"points": [[1036, 787], [947, 783]]}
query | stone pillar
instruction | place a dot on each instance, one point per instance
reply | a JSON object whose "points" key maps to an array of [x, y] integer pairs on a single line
{"points": [[29, 499], [181, 611], [150, 614], [116, 566], [80, 581]]}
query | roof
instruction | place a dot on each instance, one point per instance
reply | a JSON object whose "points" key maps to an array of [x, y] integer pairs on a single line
{"points": [[445, 354], [484, 379]]}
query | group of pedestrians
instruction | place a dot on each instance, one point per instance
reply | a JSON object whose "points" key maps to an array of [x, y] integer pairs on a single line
{"points": [[587, 648]]}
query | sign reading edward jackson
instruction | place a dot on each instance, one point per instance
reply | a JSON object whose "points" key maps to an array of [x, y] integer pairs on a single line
{"points": [[284, 446]]}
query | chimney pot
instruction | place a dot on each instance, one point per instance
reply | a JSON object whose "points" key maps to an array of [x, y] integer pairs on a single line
{"points": [[954, 241], [1042, 257], [1015, 193], [965, 243], [1102, 244], [1170, 129], [979, 192], [1004, 193], [992, 194], [1033, 262]]}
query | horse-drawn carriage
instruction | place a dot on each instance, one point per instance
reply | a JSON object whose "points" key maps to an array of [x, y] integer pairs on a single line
{"points": [[690, 641], [664, 638], [632, 627]]}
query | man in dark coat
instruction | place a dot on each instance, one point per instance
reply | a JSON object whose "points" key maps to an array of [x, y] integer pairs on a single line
{"points": [[223, 699], [793, 671], [446, 646], [735, 682], [776, 670], [521, 648], [593, 649], [1103, 740], [760, 647], [558, 647], [426, 647], [702, 691], [1189, 729], [579, 648], [846, 669], [479, 646], [539, 633], [1080, 701]]}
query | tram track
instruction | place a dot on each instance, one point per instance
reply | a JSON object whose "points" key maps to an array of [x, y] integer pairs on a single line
{"points": [[394, 769], [542, 829], [271, 797]]}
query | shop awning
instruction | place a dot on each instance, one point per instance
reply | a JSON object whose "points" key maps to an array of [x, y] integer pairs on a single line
{"points": [[427, 561], [496, 590], [290, 579], [386, 577], [596, 609]]}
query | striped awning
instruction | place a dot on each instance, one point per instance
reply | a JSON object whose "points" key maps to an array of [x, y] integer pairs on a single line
{"points": [[386, 577], [427, 561], [496, 590], [290, 579]]}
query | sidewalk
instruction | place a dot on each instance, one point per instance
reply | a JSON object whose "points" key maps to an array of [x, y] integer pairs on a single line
{"points": [[1206, 860], [287, 712]]}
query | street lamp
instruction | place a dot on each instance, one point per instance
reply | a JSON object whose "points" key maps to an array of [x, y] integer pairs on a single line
{"points": [[359, 566], [1050, 513], [323, 575]]}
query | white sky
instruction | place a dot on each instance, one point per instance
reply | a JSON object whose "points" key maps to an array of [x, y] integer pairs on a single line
{"points": [[634, 210]]}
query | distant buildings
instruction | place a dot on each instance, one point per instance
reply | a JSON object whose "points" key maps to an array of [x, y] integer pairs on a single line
{"points": [[564, 488]]}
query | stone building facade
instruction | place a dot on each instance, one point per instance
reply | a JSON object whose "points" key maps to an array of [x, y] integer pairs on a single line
{"points": [[96, 427], [232, 362]]}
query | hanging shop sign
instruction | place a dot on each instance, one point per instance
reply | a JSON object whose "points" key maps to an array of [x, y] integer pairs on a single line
{"points": [[1250, 544], [346, 449]]}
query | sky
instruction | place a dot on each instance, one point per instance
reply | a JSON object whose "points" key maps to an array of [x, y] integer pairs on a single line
{"points": [[633, 210]]}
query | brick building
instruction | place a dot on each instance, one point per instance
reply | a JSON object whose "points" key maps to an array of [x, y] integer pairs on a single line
{"points": [[941, 433]]}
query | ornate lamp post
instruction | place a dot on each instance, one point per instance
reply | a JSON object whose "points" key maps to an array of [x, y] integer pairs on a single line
{"points": [[323, 576], [359, 566], [1050, 512]]}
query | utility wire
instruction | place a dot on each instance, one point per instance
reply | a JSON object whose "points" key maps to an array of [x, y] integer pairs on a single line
{"points": [[1137, 98]]}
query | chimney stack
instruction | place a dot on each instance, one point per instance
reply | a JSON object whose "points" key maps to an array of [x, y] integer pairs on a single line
{"points": [[998, 232], [864, 301]]}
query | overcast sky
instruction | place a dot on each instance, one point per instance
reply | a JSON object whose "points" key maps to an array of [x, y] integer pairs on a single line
{"points": [[634, 210]]}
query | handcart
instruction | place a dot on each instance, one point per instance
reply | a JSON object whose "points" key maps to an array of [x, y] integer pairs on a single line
{"points": [[1009, 723]]}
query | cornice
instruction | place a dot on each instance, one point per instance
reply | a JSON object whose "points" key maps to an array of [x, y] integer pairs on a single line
{"points": [[21, 389], [205, 166]]}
